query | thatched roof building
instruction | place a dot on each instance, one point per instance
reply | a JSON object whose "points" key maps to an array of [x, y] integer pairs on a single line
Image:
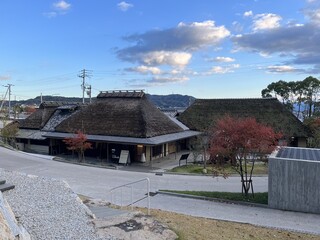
{"points": [[40, 117], [203, 114], [117, 121], [125, 114]]}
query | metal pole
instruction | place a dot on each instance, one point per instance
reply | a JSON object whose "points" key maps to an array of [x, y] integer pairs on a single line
{"points": [[148, 194], [9, 86], [121, 198], [131, 198], [83, 76]]}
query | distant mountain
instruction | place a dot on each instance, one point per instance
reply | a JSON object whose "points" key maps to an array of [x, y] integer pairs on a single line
{"points": [[171, 101], [175, 101]]}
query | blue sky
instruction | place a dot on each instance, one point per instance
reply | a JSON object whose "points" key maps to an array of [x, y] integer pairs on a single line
{"points": [[204, 48]]}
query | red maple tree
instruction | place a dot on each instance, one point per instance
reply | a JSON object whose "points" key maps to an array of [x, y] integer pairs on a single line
{"points": [[78, 143], [242, 141]]}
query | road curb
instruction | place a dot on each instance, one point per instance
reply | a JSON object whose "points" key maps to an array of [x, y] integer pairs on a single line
{"points": [[58, 159]]}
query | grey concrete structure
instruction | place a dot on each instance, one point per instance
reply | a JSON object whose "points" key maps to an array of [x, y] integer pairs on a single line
{"points": [[294, 177]]}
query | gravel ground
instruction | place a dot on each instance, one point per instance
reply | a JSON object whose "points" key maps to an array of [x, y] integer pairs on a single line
{"points": [[48, 208]]}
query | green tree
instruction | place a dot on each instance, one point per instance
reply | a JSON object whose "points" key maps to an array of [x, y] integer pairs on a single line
{"points": [[295, 93], [9, 133], [280, 89], [311, 88]]}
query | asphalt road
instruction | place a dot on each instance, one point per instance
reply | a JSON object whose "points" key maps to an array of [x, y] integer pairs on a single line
{"points": [[96, 183]]}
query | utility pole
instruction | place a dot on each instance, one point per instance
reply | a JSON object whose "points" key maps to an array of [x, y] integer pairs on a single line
{"points": [[9, 94], [3, 100], [83, 74], [9, 87]]}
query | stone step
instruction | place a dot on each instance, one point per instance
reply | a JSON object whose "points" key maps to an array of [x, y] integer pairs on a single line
{"points": [[2, 181], [6, 186], [106, 212]]}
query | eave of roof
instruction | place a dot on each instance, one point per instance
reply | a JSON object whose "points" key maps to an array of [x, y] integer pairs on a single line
{"points": [[130, 140], [30, 134]]}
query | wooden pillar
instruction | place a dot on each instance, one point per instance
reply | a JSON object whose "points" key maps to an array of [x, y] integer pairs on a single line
{"points": [[151, 156]]}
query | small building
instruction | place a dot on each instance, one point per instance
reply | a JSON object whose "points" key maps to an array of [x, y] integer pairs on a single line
{"points": [[117, 121], [203, 113], [294, 177], [30, 135]]}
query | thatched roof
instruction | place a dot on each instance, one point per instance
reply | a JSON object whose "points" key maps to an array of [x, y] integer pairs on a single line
{"points": [[125, 114], [203, 114], [40, 117]]}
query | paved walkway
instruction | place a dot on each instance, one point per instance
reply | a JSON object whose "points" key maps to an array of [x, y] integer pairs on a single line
{"points": [[266, 217]]}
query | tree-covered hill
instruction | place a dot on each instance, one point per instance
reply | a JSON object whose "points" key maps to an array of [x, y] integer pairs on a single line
{"points": [[161, 101]]}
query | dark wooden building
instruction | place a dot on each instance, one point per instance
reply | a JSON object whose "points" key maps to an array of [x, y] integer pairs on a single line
{"points": [[116, 121], [203, 113]]}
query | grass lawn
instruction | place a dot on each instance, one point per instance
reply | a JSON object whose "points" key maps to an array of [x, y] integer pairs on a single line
{"points": [[259, 169], [261, 198]]}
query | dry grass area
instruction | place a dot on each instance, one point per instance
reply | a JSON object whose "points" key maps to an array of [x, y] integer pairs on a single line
{"points": [[195, 228]]}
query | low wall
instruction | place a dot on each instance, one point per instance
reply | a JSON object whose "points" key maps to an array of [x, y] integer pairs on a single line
{"points": [[294, 185], [37, 148], [9, 227]]}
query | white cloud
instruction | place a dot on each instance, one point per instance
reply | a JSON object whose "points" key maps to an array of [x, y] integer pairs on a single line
{"points": [[166, 58], [314, 16], [172, 49], [162, 80], [145, 70], [248, 14], [172, 46], [222, 70], [202, 33], [266, 21], [60, 8], [281, 69], [124, 6], [224, 59], [300, 43], [62, 5]]}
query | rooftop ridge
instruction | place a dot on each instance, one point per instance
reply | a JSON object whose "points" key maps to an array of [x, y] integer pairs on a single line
{"points": [[122, 91], [121, 94]]}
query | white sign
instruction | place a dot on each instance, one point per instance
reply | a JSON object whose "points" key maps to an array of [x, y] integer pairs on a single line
{"points": [[124, 157]]}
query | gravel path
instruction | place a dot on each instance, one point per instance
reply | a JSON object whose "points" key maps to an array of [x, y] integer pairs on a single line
{"points": [[48, 208]]}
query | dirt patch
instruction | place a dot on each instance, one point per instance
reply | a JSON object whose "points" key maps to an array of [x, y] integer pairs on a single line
{"points": [[131, 225]]}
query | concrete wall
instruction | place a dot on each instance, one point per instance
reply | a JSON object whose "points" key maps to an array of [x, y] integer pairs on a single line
{"points": [[294, 185]]}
